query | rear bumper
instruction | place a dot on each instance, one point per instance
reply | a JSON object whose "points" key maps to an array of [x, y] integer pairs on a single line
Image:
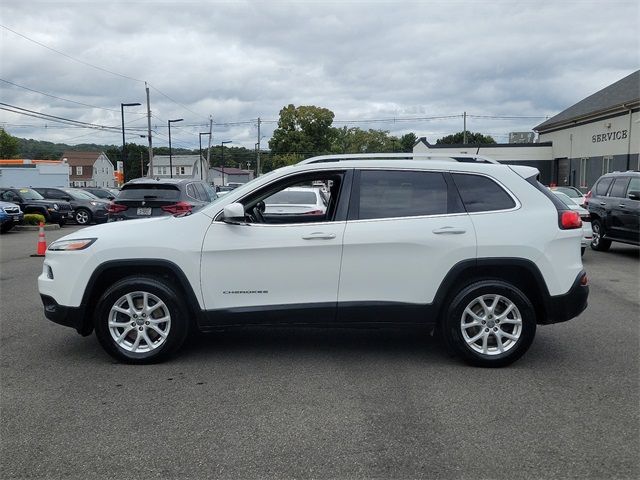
{"points": [[68, 316], [561, 308]]}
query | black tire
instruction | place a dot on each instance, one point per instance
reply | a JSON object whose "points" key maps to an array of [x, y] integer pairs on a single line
{"points": [[598, 243], [82, 216], [6, 227], [176, 329], [62, 223], [452, 330]]}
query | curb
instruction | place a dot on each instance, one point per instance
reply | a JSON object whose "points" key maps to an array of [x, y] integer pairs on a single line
{"points": [[34, 228]]}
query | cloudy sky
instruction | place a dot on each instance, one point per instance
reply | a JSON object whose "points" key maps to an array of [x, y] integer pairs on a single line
{"points": [[376, 64]]}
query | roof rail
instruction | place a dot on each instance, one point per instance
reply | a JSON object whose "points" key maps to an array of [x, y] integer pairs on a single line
{"points": [[447, 157]]}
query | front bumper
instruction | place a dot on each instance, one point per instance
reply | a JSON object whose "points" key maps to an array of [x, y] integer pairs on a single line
{"points": [[560, 308], [67, 316]]}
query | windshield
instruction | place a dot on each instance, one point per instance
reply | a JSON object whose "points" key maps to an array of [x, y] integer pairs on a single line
{"points": [[79, 194], [154, 191], [570, 192], [565, 199], [29, 194], [288, 197]]}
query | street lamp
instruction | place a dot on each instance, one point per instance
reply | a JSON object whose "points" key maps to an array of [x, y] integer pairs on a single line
{"points": [[222, 148], [169, 122], [124, 149], [200, 151]]}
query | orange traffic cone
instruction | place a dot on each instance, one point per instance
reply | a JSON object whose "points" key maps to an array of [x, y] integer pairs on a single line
{"points": [[42, 243]]}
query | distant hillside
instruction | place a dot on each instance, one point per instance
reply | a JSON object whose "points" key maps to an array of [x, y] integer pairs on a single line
{"points": [[42, 150]]}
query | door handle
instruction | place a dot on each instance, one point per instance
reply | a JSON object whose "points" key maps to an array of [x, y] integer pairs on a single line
{"points": [[622, 205], [319, 236], [602, 204], [450, 230]]}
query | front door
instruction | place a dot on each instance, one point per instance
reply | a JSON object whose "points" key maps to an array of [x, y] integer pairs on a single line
{"points": [[264, 272]]}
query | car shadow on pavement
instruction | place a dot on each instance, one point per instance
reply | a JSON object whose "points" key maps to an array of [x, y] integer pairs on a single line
{"points": [[415, 343]]}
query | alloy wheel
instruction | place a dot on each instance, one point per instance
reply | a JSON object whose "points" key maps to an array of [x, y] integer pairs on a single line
{"points": [[82, 217], [491, 324], [139, 322]]}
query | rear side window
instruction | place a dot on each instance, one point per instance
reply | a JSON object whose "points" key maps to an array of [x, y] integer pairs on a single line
{"points": [[603, 185], [619, 187], [201, 192], [389, 194], [481, 194], [150, 191]]}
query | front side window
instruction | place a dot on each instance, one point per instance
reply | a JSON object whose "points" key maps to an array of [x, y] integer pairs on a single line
{"points": [[481, 194], [634, 186], [296, 200], [391, 194]]}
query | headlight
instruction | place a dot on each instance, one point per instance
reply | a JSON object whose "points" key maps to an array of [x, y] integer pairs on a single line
{"points": [[55, 206], [95, 204], [69, 245]]}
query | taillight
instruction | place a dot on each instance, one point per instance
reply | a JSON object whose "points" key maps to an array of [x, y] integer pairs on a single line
{"points": [[569, 219], [176, 208], [116, 208], [586, 198]]}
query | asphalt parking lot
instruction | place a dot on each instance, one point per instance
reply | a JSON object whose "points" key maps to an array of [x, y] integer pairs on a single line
{"points": [[285, 403]]}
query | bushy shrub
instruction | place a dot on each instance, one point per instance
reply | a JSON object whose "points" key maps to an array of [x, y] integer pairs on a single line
{"points": [[33, 219]]}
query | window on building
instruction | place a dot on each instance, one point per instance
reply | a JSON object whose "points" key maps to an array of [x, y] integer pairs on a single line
{"points": [[583, 172], [78, 170], [606, 164]]}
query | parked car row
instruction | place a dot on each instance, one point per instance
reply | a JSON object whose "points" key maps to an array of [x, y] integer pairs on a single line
{"points": [[30, 201]]}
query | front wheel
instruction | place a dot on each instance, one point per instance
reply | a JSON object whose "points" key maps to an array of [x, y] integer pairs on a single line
{"points": [[597, 242], [490, 323], [141, 320]]}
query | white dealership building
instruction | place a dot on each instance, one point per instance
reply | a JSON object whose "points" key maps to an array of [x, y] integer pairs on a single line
{"points": [[599, 134]]}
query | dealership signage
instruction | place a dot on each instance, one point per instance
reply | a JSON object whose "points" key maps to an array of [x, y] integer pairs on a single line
{"points": [[605, 137]]}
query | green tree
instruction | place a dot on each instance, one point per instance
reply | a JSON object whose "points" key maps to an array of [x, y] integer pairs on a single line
{"points": [[356, 140], [473, 138], [304, 130], [9, 145], [407, 142]]}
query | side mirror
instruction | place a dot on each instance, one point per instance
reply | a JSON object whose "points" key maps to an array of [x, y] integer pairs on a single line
{"points": [[233, 213], [634, 195]]}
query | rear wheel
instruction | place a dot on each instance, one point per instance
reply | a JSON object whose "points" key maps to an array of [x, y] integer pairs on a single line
{"points": [[141, 320], [82, 216], [597, 242], [490, 323], [6, 227]]}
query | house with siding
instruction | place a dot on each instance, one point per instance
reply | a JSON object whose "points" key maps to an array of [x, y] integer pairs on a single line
{"points": [[89, 169]]}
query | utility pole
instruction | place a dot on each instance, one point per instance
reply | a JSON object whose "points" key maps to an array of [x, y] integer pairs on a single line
{"points": [[258, 152], [141, 166], [150, 166], [464, 135], [209, 147]]}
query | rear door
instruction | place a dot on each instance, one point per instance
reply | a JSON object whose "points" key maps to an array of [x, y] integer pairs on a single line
{"points": [[406, 230], [629, 211]]}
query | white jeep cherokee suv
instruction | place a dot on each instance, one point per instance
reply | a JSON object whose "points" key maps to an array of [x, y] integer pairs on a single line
{"points": [[477, 250]]}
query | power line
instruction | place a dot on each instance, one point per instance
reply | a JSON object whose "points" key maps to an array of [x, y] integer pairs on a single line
{"points": [[52, 118], [70, 57], [59, 98]]}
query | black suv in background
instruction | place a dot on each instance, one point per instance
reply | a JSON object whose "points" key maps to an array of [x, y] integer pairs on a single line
{"points": [[30, 201], [149, 197], [87, 208], [614, 205]]}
